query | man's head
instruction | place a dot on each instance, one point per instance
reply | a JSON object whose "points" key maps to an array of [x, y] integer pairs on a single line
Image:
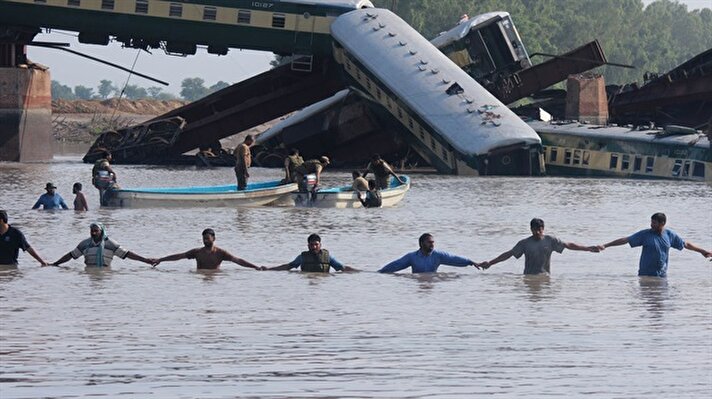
{"points": [[427, 243], [355, 174], [3, 216], [106, 155], [294, 151], [77, 187], [249, 139], [324, 160], [657, 222], [96, 231], [314, 243], [208, 238], [51, 188], [376, 157], [537, 227]]}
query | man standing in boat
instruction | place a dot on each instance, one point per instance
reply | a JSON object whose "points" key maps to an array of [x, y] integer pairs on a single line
{"points": [[291, 162], [243, 160], [426, 259], [382, 170], [537, 250], [315, 260], [315, 166], [209, 256], [656, 242], [99, 250], [103, 176]]}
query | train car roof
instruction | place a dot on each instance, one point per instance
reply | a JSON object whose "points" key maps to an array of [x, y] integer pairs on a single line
{"points": [[472, 121], [462, 29], [302, 115], [355, 4], [658, 136]]}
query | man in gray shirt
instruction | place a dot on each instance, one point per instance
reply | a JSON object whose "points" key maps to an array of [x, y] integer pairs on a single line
{"points": [[537, 250]]}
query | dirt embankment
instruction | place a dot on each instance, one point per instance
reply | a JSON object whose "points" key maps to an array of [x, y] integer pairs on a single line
{"points": [[84, 120]]}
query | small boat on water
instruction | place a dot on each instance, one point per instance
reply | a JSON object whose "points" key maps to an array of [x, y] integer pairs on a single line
{"points": [[345, 196], [256, 194]]}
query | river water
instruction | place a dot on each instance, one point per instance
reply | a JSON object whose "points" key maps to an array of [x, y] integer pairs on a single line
{"points": [[592, 328]]}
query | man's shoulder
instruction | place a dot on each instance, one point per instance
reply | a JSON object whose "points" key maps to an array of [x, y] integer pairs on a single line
{"points": [[85, 243]]}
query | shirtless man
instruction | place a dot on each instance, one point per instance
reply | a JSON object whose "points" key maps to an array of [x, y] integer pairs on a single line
{"points": [[209, 256]]}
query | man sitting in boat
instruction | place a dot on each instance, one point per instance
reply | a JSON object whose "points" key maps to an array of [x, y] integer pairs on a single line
{"points": [[98, 250], [315, 166], [103, 176], [315, 260], [382, 170], [209, 256], [656, 242], [426, 259], [291, 162], [537, 250]]}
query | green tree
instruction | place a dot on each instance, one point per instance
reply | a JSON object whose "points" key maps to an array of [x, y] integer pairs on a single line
{"points": [[218, 86], [83, 92], [133, 92], [61, 92], [157, 93], [193, 89], [106, 88]]}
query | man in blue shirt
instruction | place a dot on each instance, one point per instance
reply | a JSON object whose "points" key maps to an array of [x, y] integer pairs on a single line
{"points": [[656, 243], [50, 199], [426, 259], [315, 260]]}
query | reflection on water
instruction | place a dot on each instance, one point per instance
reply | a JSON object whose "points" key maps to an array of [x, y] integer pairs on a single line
{"points": [[133, 331]]}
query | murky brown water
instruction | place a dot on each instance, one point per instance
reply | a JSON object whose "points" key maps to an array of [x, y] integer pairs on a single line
{"points": [[593, 327]]}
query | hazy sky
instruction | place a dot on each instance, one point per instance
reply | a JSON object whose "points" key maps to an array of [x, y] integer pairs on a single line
{"points": [[238, 65]]}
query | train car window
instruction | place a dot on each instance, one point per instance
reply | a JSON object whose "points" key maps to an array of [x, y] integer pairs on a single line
{"points": [[625, 163], [649, 163], [445, 155], [677, 167], [577, 157], [41, 1], [210, 13], [422, 133], [553, 153], [637, 163], [244, 17], [567, 157], [141, 7], [368, 84], [278, 20], [433, 144], [74, 3], [410, 123], [378, 93], [586, 158], [107, 4], [358, 75], [175, 10], [686, 169], [613, 164], [400, 113], [698, 169]]}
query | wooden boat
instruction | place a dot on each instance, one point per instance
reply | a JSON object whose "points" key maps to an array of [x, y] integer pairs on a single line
{"points": [[345, 196], [675, 153], [256, 194]]}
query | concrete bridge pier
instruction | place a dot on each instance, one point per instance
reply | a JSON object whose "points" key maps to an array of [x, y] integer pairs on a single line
{"points": [[25, 107]]}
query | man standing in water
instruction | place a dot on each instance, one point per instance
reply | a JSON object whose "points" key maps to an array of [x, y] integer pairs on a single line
{"points": [[315, 260], [209, 256], [537, 250], [656, 242], [50, 199], [103, 176], [11, 242], [426, 259], [99, 250], [243, 160]]}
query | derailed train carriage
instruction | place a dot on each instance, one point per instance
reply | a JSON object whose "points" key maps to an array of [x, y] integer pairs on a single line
{"points": [[449, 119]]}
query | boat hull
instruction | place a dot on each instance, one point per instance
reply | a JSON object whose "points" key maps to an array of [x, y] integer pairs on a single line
{"points": [[256, 194]]}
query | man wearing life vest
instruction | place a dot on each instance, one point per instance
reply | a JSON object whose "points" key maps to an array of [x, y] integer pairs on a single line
{"points": [[311, 166], [382, 171], [315, 260], [291, 162], [103, 176]]}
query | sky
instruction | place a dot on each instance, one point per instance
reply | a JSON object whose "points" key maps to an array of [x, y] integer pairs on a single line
{"points": [[238, 65]]}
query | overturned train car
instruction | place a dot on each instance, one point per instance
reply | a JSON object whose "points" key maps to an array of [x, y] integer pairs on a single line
{"points": [[449, 119]]}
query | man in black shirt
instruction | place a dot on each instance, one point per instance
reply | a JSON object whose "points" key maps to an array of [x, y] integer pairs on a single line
{"points": [[11, 242]]}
